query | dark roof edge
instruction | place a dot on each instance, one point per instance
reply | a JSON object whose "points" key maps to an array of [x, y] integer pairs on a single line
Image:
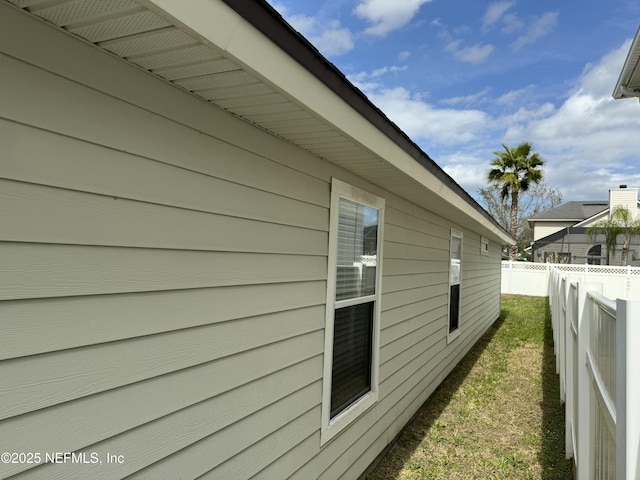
{"points": [[270, 23]]}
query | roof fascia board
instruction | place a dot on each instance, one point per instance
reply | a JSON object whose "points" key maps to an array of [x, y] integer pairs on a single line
{"points": [[554, 219], [217, 23], [593, 218]]}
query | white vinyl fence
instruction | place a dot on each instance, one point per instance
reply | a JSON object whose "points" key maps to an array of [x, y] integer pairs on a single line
{"points": [[597, 345], [525, 278]]}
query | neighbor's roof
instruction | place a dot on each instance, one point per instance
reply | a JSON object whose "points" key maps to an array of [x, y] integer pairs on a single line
{"points": [[628, 84], [243, 57], [572, 211]]}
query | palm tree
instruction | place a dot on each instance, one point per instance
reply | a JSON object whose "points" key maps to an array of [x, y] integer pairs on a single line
{"points": [[620, 222], [515, 169]]}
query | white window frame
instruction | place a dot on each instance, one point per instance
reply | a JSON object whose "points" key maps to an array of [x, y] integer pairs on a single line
{"points": [[484, 246], [452, 335], [332, 426]]}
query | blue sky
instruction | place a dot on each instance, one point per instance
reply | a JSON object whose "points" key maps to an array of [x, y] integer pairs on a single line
{"points": [[461, 77]]}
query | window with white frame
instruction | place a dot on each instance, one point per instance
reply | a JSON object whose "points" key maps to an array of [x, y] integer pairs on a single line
{"points": [[455, 277], [350, 383]]}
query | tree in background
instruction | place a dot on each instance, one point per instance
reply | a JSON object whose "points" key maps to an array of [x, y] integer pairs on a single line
{"points": [[514, 170], [620, 222], [536, 199]]}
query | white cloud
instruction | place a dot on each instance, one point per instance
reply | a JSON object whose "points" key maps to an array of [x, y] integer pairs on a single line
{"points": [[381, 71], [329, 37], [333, 40], [467, 99], [475, 54], [404, 55], [590, 140], [471, 174], [514, 95], [590, 109], [495, 12], [420, 120], [368, 81], [511, 23], [524, 114], [386, 16], [540, 27]]}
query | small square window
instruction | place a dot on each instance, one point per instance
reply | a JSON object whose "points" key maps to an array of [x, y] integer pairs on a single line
{"points": [[484, 246]]}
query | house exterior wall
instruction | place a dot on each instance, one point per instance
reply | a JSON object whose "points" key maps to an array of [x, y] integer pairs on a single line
{"points": [[562, 252], [575, 247], [164, 269], [542, 229]]}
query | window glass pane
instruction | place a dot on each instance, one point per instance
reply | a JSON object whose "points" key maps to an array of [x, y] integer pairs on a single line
{"points": [[455, 265], [456, 247], [454, 272], [357, 250], [454, 307], [352, 349]]}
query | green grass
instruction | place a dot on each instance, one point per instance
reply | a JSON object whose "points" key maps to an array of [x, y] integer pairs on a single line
{"points": [[497, 415]]}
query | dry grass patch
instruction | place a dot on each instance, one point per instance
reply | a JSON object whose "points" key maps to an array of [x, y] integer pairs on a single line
{"points": [[497, 416]]}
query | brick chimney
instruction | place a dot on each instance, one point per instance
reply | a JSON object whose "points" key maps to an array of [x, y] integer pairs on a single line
{"points": [[625, 197]]}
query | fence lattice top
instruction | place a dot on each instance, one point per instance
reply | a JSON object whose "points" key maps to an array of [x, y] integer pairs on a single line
{"points": [[599, 269]]}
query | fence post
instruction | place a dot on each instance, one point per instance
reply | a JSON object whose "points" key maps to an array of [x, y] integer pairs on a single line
{"points": [[569, 403], [562, 338], [562, 320], [583, 428], [627, 389]]}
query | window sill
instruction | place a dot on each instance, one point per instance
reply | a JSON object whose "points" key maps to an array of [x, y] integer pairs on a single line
{"points": [[453, 335], [341, 421]]}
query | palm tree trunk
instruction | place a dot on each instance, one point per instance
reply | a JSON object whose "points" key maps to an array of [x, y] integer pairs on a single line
{"points": [[514, 222]]}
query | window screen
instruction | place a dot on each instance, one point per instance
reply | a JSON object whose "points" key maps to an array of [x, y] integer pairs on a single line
{"points": [[357, 249]]}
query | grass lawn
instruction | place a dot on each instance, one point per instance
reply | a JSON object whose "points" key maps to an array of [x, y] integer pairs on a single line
{"points": [[497, 415]]}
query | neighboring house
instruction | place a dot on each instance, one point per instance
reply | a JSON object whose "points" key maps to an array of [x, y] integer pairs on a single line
{"points": [[560, 233], [217, 258]]}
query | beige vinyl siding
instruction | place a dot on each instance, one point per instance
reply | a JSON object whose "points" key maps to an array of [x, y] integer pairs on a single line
{"points": [[159, 285], [163, 281]]}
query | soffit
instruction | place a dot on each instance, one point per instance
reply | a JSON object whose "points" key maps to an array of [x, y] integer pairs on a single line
{"points": [[128, 30], [629, 81], [144, 38]]}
